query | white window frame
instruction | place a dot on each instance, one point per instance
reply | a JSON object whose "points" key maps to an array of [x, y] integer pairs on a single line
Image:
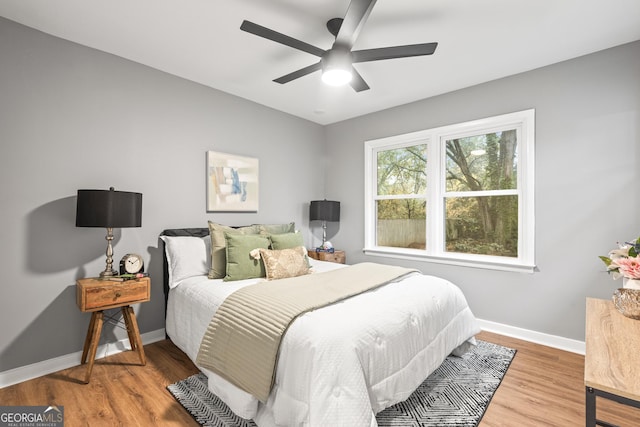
{"points": [[524, 123]]}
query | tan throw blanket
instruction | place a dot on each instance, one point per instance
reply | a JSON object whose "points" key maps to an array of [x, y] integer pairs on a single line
{"points": [[242, 341]]}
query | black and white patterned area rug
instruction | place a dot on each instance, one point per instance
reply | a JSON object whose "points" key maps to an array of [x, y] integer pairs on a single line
{"points": [[456, 394]]}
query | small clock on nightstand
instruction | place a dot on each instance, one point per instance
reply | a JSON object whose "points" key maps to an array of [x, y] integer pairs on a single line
{"points": [[131, 264]]}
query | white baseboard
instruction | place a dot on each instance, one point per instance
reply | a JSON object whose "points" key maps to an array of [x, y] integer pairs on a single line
{"points": [[35, 370], [554, 341]]}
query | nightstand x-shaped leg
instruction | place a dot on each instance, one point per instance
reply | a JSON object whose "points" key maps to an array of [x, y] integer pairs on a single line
{"points": [[134, 334], [93, 338]]}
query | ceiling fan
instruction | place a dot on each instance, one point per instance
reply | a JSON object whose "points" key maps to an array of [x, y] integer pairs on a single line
{"points": [[337, 63]]}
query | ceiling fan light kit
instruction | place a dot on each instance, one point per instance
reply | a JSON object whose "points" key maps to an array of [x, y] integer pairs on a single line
{"points": [[336, 67], [336, 77], [337, 63]]}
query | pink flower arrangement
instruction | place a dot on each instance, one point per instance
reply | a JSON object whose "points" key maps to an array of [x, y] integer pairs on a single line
{"points": [[624, 261], [629, 267]]}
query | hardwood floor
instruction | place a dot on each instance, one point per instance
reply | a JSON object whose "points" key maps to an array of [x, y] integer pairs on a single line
{"points": [[121, 391], [543, 387]]}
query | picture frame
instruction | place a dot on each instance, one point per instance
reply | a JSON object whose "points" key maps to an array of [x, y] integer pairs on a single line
{"points": [[232, 183]]}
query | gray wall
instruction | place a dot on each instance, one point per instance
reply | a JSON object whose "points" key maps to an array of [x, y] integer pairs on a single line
{"points": [[72, 117], [587, 183]]}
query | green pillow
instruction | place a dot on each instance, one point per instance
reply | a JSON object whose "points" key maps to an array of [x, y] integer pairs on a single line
{"points": [[218, 267], [240, 263], [276, 228], [286, 240]]}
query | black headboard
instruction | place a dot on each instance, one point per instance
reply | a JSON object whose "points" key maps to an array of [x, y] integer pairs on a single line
{"points": [[193, 232]]}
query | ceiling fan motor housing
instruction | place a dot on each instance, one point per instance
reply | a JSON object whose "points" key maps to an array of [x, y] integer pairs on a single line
{"points": [[337, 57]]}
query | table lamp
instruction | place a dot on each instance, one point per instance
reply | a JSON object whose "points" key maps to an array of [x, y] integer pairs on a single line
{"points": [[324, 210], [108, 209]]}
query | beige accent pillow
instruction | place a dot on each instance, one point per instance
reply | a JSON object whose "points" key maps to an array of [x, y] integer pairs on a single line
{"points": [[276, 228], [283, 263], [218, 268]]}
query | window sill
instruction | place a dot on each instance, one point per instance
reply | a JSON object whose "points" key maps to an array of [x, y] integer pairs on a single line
{"points": [[488, 263]]}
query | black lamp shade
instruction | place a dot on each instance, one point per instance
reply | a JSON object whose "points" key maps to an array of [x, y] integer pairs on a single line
{"points": [[108, 209], [324, 210]]}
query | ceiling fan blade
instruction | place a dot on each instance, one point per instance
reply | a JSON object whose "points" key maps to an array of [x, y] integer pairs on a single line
{"points": [[299, 73], [277, 37], [357, 82], [394, 52], [354, 20]]}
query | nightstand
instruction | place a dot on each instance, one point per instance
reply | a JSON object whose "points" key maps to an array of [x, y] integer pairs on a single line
{"points": [[97, 295], [335, 256]]}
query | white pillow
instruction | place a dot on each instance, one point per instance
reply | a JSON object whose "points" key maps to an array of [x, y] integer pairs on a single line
{"points": [[186, 257]]}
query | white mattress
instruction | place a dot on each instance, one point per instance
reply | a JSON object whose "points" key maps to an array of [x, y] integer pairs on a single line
{"points": [[341, 364]]}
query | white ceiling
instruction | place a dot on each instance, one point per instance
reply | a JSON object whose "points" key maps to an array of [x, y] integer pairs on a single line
{"points": [[200, 40]]}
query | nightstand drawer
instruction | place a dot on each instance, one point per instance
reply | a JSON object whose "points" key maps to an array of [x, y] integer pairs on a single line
{"points": [[336, 256], [94, 294]]}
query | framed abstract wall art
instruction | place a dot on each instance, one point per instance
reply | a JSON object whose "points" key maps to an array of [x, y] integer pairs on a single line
{"points": [[232, 183]]}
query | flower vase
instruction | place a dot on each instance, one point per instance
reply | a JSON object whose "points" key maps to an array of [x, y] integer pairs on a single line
{"points": [[630, 283], [627, 298]]}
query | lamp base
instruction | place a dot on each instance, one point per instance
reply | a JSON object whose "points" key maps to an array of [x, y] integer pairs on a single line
{"points": [[324, 232], [109, 273]]}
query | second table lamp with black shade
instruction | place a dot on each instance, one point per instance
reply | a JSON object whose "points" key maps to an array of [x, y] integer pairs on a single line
{"points": [[324, 210]]}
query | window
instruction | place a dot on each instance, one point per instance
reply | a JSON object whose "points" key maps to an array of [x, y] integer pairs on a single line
{"points": [[459, 194]]}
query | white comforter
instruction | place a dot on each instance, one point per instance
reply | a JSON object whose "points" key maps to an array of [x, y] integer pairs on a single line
{"points": [[342, 364]]}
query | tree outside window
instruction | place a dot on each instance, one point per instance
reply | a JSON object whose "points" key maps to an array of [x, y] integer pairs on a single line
{"points": [[481, 206], [461, 192]]}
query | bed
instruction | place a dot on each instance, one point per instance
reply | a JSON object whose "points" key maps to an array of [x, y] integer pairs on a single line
{"points": [[338, 365]]}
